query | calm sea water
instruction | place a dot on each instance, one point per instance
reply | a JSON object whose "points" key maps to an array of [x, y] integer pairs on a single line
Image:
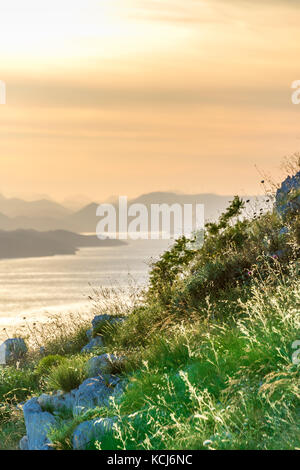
{"points": [[35, 287]]}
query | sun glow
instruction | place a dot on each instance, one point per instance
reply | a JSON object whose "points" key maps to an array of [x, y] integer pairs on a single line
{"points": [[34, 29], [75, 31], [137, 85]]}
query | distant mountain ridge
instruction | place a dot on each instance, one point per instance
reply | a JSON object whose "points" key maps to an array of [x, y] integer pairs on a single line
{"points": [[16, 207], [44, 215]]}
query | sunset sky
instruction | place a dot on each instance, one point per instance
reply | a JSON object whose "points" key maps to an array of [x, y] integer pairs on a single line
{"points": [[131, 96]]}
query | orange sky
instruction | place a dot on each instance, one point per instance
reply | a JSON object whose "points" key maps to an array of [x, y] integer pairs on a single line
{"points": [[131, 96]]}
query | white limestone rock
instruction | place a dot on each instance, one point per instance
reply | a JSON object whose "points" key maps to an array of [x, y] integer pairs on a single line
{"points": [[102, 319], [91, 430], [96, 342], [101, 364], [38, 424], [288, 196], [94, 392], [12, 350], [23, 444]]}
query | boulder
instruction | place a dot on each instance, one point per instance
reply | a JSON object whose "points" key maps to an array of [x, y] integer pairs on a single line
{"points": [[102, 319], [37, 424], [94, 392], [89, 334], [12, 350], [96, 342], [57, 402], [91, 430], [23, 444], [283, 231], [100, 364], [288, 196]]}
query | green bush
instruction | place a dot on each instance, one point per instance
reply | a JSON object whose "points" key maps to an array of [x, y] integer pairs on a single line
{"points": [[68, 375], [165, 271], [104, 328], [46, 364]]}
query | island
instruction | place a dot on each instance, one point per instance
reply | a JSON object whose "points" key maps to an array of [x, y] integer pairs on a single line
{"points": [[33, 243]]}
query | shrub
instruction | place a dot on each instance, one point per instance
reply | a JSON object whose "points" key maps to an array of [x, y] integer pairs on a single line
{"points": [[46, 364], [104, 328], [68, 375], [165, 271]]}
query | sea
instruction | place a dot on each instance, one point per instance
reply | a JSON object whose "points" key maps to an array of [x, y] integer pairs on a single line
{"points": [[34, 288]]}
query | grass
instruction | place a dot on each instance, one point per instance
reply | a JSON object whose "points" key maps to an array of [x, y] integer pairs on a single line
{"points": [[16, 385], [12, 429], [229, 386], [214, 384], [68, 374], [47, 363], [63, 335]]}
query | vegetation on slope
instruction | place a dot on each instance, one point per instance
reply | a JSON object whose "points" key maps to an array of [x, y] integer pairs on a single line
{"points": [[210, 362]]}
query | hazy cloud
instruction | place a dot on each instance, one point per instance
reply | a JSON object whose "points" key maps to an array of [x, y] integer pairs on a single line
{"points": [[57, 94], [190, 92], [198, 11]]}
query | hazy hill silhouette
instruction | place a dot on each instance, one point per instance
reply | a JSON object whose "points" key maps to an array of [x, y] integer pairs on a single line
{"points": [[214, 204], [46, 215], [15, 207]]}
